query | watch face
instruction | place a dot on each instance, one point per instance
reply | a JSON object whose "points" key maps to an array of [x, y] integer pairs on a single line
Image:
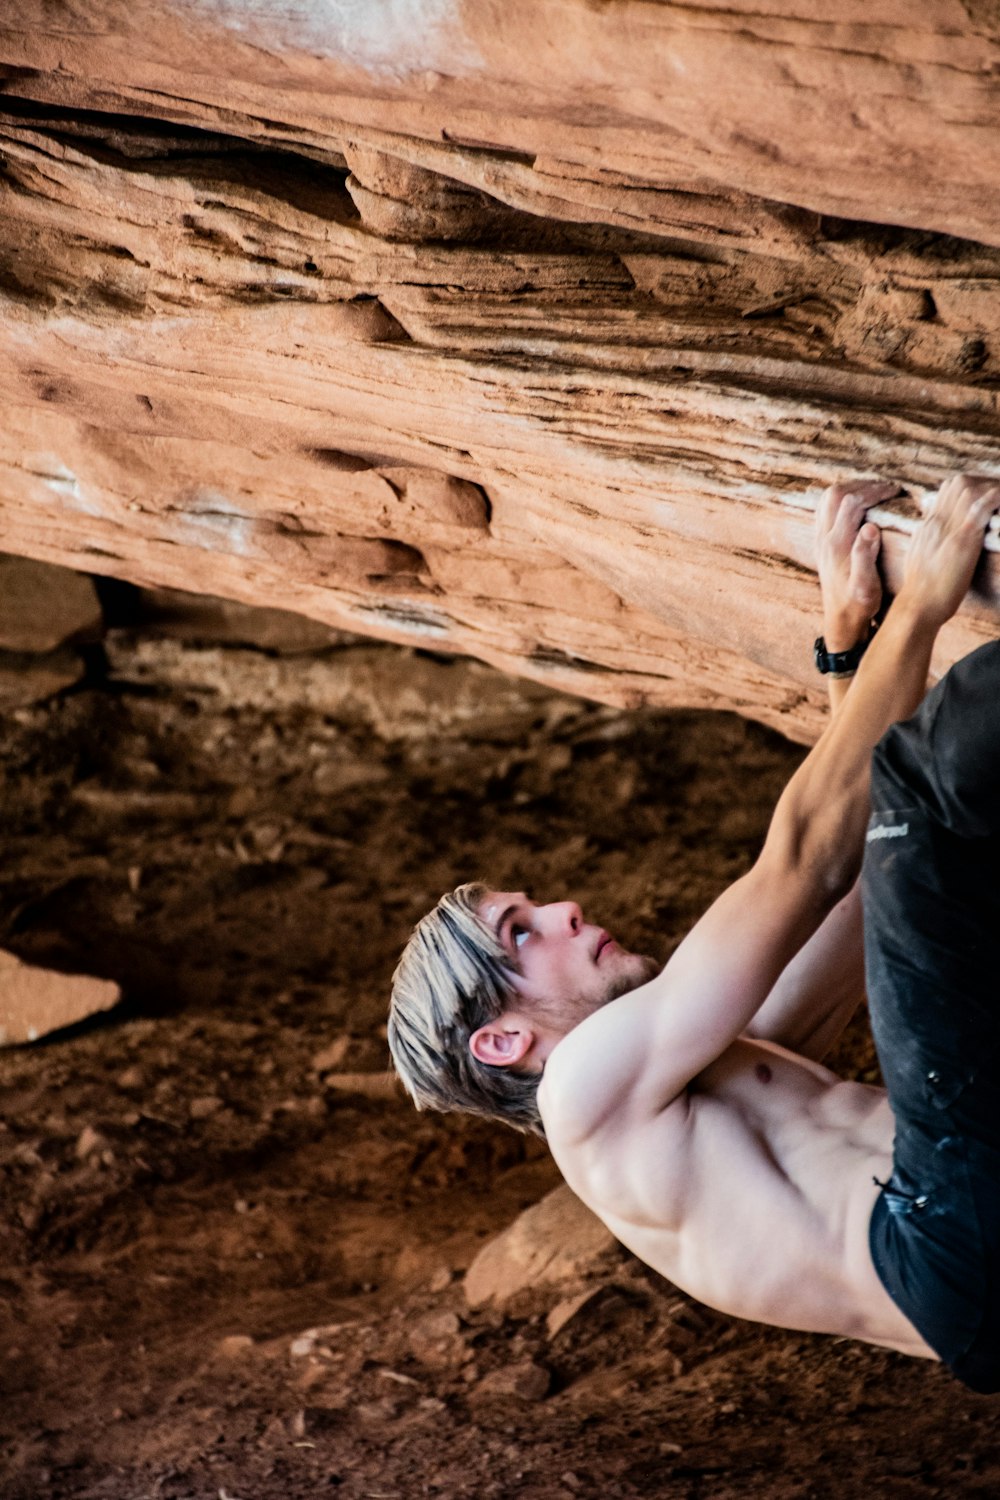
{"points": [[820, 655]]}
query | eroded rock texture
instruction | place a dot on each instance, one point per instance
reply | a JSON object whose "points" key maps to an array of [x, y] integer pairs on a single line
{"points": [[530, 331]]}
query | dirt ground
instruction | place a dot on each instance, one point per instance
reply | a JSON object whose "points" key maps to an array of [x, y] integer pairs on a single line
{"points": [[224, 1276]]}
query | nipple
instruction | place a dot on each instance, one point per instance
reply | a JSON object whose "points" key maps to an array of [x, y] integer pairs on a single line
{"points": [[763, 1072]]}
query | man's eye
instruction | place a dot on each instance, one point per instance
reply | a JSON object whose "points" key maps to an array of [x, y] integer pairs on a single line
{"points": [[519, 936]]}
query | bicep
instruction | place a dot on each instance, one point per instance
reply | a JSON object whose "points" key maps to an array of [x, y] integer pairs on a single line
{"points": [[731, 961]]}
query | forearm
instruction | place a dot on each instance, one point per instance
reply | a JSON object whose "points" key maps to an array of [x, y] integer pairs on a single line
{"points": [[837, 688], [820, 821]]}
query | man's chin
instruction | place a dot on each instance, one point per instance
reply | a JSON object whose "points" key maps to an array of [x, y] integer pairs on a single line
{"points": [[636, 970], [650, 967]]}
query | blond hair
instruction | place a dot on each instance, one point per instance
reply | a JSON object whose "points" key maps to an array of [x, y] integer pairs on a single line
{"points": [[453, 977]]}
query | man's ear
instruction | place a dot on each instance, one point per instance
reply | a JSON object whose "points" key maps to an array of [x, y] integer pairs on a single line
{"points": [[502, 1043]]}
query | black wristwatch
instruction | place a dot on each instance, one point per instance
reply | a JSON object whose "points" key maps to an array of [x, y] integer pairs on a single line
{"points": [[838, 663]]}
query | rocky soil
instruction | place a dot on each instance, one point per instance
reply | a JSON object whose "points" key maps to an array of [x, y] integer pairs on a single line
{"points": [[232, 1256]]}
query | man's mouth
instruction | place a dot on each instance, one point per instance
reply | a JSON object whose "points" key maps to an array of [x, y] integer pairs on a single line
{"points": [[602, 942]]}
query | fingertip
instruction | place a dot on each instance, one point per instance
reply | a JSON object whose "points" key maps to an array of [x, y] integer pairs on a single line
{"points": [[868, 539]]}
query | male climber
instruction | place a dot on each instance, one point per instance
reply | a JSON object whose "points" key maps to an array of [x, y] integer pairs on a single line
{"points": [[693, 1113]]}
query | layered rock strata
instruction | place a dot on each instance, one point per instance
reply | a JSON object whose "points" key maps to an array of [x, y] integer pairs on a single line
{"points": [[529, 332]]}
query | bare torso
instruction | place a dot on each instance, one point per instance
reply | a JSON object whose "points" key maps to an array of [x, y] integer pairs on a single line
{"points": [[752, 1190]]}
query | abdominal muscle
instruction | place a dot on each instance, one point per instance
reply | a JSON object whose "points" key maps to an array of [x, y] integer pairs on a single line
{"points": [[754, 1192]]}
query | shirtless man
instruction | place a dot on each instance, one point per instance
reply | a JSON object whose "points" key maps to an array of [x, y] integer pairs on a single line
{"points": [[693, 1113]]}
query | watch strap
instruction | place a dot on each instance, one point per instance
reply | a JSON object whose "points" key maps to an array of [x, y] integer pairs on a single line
{"points": [[838, 663]]}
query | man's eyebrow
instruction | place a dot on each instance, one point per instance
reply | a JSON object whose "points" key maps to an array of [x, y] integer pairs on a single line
{"points": [[508, 911]]}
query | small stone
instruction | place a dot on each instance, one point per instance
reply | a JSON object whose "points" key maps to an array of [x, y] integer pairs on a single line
{"points": [[312, 1372], [234, 1346], [204, 1107], [89, 1142], [397, 1377], [431, 1406], [134, 804], [437, 1339], [440, 1325], [564, 1312], [441, 1280], [524, 1381]]}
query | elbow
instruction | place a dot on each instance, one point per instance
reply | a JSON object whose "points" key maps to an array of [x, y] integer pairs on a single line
{"points": [[836, 875], [827, 868]]}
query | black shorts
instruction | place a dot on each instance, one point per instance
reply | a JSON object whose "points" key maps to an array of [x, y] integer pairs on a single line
{"points": [[931, 889]]}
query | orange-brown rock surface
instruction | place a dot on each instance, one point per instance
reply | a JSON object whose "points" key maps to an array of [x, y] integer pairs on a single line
{"points": [[35, 1001], [529, 331]]}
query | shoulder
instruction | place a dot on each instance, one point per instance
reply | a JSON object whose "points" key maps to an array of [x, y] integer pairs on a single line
{"points": [[591, 1097], [566, 1114], [628, 1166], [581, 1093]]}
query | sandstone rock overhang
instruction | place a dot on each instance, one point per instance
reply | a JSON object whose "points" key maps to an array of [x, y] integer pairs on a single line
{"points": [[529, 331]]}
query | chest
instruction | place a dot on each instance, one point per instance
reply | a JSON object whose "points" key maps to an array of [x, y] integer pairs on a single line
{"points": [[764, 1084]]}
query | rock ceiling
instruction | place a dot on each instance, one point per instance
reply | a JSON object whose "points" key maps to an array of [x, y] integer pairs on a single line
{"points": [[531, 331]]}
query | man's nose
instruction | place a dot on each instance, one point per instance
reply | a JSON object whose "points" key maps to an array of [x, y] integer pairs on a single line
{"points": [[564, 916]]}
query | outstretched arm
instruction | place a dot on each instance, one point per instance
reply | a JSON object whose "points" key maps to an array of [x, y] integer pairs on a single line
{"points": [[820, 990], [632, 1058]]}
